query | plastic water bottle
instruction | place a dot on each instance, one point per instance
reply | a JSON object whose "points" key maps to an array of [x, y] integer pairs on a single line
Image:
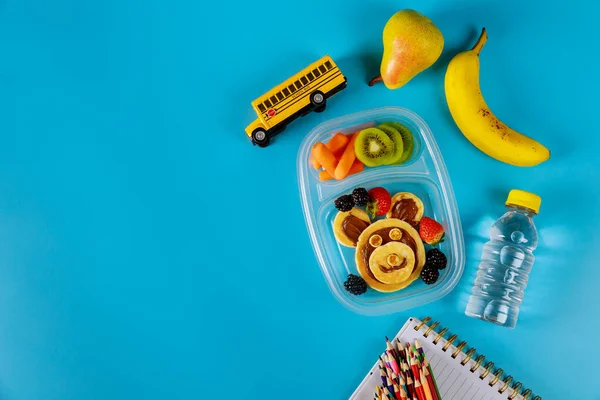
{"points": [[506, 262]]}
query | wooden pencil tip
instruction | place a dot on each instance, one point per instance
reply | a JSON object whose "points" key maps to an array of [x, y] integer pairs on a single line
{"points": [[417, 344]]}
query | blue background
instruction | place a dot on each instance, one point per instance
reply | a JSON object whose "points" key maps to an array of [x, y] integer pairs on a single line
{"points": [[148, 250]]}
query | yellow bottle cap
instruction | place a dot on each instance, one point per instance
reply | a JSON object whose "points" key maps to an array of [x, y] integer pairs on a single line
{"points": [[524, 199]]}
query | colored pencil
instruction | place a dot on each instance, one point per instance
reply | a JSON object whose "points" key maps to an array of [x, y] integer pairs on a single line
{"points": [[386, 363], [403, 385], [383, 359], [417, 355], [407, 375], [403, 395], [425, 384], [414, 367], [383, 371], [419, 390], [388, 394], [390, 347], [401, 350], [397, 391], [386, 368], [420, 349], [389, 384], [382, 375], [391, 359], [395, 377], [411, 387], [429, 379], [391, 355], [434, 386]]}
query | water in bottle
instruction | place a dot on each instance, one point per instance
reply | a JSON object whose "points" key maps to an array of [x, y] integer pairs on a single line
{"points": [[506, 262]]}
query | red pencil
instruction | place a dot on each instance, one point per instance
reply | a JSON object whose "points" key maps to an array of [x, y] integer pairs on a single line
{"points": [[403, 395], [419, 390], [414, 367], [429, 379]]}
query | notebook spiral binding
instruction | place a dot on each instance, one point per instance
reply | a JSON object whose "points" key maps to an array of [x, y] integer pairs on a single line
{"points": [[513, 389]]}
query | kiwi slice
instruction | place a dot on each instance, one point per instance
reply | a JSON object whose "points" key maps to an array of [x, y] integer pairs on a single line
{"points": [[373, 147], [407, 141], [397, 139]]}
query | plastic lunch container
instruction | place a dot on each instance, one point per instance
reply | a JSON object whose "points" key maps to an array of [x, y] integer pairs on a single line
{"points": [[424, 174]]}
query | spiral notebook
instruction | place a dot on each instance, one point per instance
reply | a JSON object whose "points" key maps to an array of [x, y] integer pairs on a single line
{"points": [[460, 373]]}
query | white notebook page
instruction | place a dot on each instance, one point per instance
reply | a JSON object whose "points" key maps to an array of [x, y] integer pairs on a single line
{"points": [[455, 381]]}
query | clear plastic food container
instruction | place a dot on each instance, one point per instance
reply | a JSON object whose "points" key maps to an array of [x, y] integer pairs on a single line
{"points": [[424, 174]]}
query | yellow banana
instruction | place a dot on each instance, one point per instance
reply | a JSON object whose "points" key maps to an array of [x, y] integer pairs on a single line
{"points": [[477, 122]]}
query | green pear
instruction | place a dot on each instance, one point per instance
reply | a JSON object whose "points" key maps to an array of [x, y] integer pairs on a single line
{"points": [[411, 44]]}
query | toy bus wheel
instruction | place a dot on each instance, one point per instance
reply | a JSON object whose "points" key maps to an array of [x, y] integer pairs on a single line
{"points": [[261, 138], [320, 109], [317, 99]]}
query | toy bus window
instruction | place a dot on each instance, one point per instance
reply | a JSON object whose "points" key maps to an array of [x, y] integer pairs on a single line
{"points": [[322, 68], [304, 80], [298, 85], [316, 72], [273, 100], [328, 65], [279, 96], [286, 92], [310, 76], [268, 103], [262, 108], [292, 88]]}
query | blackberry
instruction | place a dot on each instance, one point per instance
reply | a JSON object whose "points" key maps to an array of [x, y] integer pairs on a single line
{"points": [[361, 197], [344, 203], [355, 285], [430, 274], [436, 259]]}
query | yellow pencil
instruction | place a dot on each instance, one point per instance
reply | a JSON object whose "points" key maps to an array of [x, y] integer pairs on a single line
{"points": [[425, 385]]}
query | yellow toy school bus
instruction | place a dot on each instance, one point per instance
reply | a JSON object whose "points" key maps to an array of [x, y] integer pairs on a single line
{"points": [[302, 93]]}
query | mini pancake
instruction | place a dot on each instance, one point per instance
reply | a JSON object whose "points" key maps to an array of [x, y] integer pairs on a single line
{"points": [[347, 226], [386, 229], [392, 263], [406, 207]]}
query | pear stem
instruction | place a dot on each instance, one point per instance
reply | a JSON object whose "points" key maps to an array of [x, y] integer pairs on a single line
{"points": [[375, 80], [480, 42]]}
